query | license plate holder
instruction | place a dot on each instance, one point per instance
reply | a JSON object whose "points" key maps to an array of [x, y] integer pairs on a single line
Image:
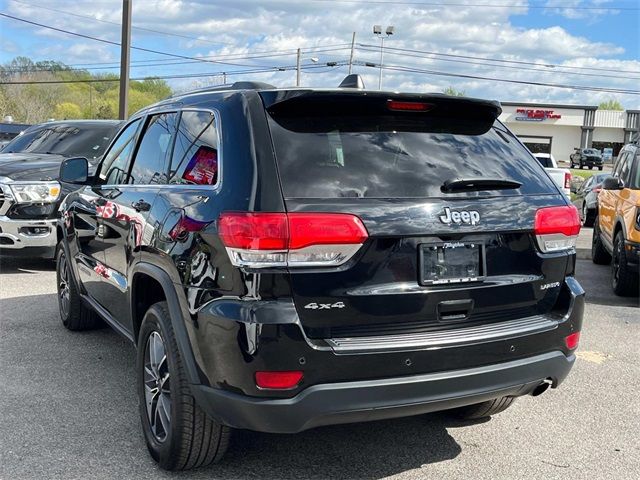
{"points": [[451, 263]]}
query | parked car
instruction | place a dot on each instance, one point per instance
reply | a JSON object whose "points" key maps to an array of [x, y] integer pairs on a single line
{"points": [[586, 157], [285, 259], [616, 232], [562, 176], [30, 191], [586, 198]]}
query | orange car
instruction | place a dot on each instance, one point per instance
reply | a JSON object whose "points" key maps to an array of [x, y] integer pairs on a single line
{"points": [[616, 230]]}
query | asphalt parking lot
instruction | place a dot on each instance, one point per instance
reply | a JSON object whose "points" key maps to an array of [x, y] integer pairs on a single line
{"points": [[68, 409]]}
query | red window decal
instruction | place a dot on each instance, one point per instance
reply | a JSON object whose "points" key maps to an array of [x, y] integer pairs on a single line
{"points": [[203, 167]]}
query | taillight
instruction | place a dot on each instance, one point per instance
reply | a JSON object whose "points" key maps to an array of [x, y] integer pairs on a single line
{"points": [[571, 341], [278, 380], [261, 240], [567, 180], [597, 189], [557, 228]]}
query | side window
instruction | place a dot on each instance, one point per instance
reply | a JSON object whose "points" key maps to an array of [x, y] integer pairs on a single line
{"points": [[150, 162], [625, 166], [587, 185], [195, 154], [113, 169]]}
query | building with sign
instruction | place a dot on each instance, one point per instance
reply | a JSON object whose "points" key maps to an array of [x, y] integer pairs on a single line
{"points": [[559, 129]]}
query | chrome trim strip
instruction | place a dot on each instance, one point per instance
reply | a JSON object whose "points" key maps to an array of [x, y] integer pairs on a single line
{"points": [[443, 339]]}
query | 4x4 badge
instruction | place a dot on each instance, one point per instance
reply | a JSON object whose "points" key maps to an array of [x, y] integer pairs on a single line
{"points": [[463, 216], [324, 306]]}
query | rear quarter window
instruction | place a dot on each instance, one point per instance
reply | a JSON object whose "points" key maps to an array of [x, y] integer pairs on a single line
{"points": [[329, 158]]}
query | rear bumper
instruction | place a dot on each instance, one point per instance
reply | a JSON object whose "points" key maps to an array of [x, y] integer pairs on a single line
{"points": [[359, 401], [18, 235]]}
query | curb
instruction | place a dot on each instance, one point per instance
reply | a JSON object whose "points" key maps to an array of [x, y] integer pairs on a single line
{"points": [[583, 253]]}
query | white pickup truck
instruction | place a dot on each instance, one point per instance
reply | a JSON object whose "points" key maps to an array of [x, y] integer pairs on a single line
{"points": [[562, 176]]}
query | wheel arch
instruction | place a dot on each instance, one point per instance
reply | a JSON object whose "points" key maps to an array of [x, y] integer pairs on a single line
{"points": [[148, 275], [619, 227]]}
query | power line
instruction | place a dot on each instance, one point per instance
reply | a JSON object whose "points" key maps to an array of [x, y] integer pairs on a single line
{"points": [[519, 68], [40, 7], [164, 64], [482, 5], [402, 68], [111, 42], [177, 76], [497, 60]]}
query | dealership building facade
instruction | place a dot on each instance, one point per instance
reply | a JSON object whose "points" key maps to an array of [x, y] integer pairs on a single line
{"points": [[559, 129]]}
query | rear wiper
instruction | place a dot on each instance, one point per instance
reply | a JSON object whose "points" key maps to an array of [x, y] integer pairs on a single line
{"points": [[465, 184]]}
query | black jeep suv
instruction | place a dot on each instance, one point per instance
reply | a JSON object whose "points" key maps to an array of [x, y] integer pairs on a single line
{"points": [[290, 258]]}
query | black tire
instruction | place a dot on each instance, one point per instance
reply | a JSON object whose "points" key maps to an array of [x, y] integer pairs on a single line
{"points": [[190, 438], [599, 254], [623, 281], [571, 165], [581, 165], [600, 168], [484, 409], [74, 315], [590, 167], [588, 215]]}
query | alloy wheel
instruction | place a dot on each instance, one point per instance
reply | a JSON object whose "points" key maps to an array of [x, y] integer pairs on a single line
{"points": [[615, 264], [157, 388], [63, 285]]}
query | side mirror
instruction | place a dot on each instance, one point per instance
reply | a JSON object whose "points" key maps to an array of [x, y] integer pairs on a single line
{"points": [[612, 183], [74, 170]]}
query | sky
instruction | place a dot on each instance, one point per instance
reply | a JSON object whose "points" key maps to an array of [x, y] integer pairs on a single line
{"points": [[436, 44]]}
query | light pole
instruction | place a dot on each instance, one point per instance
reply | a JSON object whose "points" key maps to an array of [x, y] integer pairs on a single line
{"points": [[377, 31], [298, 64]]}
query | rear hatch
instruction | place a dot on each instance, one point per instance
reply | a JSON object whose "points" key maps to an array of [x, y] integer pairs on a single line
{"points": [[443, 250]]}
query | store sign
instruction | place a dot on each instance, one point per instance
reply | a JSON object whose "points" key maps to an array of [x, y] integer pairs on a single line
{"points": [[530, 115]]}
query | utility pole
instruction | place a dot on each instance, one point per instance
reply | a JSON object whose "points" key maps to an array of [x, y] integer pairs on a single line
{"points": [[353, 44], [124, 60], [298, 60]]}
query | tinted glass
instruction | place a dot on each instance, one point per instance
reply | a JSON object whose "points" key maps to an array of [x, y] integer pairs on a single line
{"points": [[87, 141], [591, 151], [635, 181], [195, 154], [395, 159], [149, 165], [113, 169], [545, 162], [625, 166]]}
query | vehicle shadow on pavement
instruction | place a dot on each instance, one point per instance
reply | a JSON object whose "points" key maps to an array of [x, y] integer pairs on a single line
{"points": [[25, 265], [364, 450], [79, 388], [596, 281]]}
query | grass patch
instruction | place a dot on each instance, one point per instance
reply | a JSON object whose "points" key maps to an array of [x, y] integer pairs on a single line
{"points": [[576, 172]]}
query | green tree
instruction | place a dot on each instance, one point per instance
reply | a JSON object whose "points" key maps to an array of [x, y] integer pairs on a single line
{"points": [[67, 111], [611, 104], [453, 92], [83, 98]]}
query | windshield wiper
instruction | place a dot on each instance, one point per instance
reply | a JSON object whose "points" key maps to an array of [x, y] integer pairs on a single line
{"points": [[468, 184]]}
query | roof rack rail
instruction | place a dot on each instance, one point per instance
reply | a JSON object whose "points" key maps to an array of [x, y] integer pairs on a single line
{"points": [[243, 85]]}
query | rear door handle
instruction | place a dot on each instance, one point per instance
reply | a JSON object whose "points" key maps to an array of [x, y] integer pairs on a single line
{"points": [[141, 206]]}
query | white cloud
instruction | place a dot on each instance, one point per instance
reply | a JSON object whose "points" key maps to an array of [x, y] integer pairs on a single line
{"points": [[242, 27]]}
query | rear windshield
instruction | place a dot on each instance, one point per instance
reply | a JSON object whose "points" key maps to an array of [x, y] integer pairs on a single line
{"points": [[591, 151], [545, 162], [381, 158]]}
